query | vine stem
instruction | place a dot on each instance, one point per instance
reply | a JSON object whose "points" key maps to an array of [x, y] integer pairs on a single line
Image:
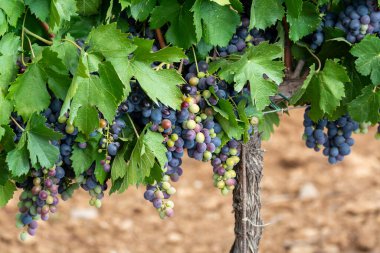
{"points": [[314, 55], [17, 124], [160, 38], [48, 42], [286, 109], [195, 59], [22, 39], [133, 125], [72, 42], [287, 45], [31, 48]]}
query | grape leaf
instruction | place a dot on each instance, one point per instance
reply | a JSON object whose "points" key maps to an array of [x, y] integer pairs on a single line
{"points": [[182, 29], [267, 123], [254, 64], [4, 172], [140, 9], [13, 9], [87, 119], [265, 13], [88, 7], [29, 91], [60, 11], [368, 53], [222, 2], [119, 164], [325, 89], [207, 16], [159, 85], [125, 3], [3, 23], [9, 45], [8, 139], [154, 142], [144, 52], [5, 110], [83, 158], [39, 137], [301, 91], [18, 158], [40, 8], [139, 165], [304, 24], [67, 53], [6, 192], [366, 107], [231, 131], [104, 92], [167, 11], [294, 7]]}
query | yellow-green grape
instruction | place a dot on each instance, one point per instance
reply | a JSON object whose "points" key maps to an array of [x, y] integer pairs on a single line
{"points": [[221, 184], [198, 119], [98, 189], [200, 137], [230, 187], [171, 190], [207, 155], [159, 194], [194, 81], [236, 159], [170, 143], [194, 108], [190, 124], [23, 236], [203, 116], [62, 119], [169, 204], [92, 202], [162, 214], [225, 191], [254, 121], [201, 74], [233, 151], [230, 162], [166, 185], [98, 203], [69, 129], [174, 137], [206, 94], [165, 178]]}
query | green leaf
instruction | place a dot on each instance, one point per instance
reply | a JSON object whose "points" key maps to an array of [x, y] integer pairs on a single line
{"points": [[39, 137], [67, 53], [232, 131], [110, 42], [4, 172], [6, 192], [208, 15], [83, 158], [13, 9], [154, 141], [8, 139], [9, 45], [139, 165], [294, 7], [265, 13], [164, 13], [222, 2], [368, 53], [119, 164], [366, 107], [159, 85], [18, 159], [87, 119], [60, 11], [301, 91], [5, 110], [140, 9], [144, 52], [125, 3], [326, 89], [3, 23], [255, 63], [88, 7], [267, 123], [29, 92], [104, 92], [40, 8], [304, 24]]}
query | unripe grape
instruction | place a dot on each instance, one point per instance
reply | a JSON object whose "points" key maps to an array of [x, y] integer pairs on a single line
{"points": [[194, 108], [166, 185], [158, 194], [194, 81], [200, 137], [254, 121], [23, 236], [69, 129], [207, 155], [206, 94], [170, 204], [201, 74], [171, 191], [233, 151], [174, 137], [190, 124], [225, 191], [98, 203], [170, 143], [221, 184], [62, 119]]}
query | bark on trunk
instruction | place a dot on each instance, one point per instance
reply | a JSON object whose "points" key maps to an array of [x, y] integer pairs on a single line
{"points": [[246, 198]]}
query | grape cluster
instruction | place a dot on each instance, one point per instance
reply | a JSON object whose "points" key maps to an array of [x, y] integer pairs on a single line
{"points": [[337, 142], [39, 198], [223, 165], [89, 183], [244, 37], [318, 37], [359, 18]]}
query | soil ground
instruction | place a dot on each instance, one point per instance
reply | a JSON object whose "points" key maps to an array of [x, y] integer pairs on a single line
{"points": [[308, 207]]}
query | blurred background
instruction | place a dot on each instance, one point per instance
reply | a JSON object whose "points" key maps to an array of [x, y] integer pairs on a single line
{"points": [[308, 207]]}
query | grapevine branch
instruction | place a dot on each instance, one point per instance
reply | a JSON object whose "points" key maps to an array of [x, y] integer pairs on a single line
{"points": [[17, 124], [160, 38], [287, 46]]}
